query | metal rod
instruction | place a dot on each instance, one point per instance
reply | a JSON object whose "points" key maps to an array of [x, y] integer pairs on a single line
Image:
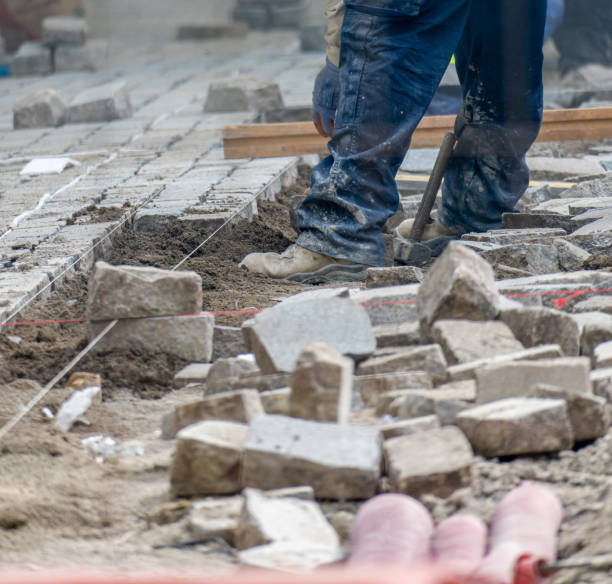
{"points": [[431, 192]]}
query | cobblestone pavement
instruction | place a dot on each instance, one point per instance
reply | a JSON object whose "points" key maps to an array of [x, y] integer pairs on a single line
{"points": [[166, 160]]}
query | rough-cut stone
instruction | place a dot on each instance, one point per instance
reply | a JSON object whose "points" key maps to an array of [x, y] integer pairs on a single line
{"points": [[58, 30], [595, 303], [389, 305], [571, 257], [380, 277], [188, 337], [286, 556], [508, 380], [371, 387], [213, 518], [232, 406], [265, 519], [88, 57], [43, 109], [225, 373], [602, 383], [276, 401], [535, 326], [193, 373], [422, 402], [338, 461], [397, 334], [468, 370], [602, 355], [512, 236], [595, 327], [409, 427], [428, 358], [228, 341], [134, 292], [256, 380], [459, 285], [103, 103], [537, 221], [32, 59], [435, 462], [587, 413], [518, 426], [239, 94], [464, 340], [207, 459], [279, 334], [535, 258], [322, 385]]}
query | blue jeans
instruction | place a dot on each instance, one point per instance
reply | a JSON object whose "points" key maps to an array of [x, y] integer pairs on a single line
{"points": [[394, 53]]}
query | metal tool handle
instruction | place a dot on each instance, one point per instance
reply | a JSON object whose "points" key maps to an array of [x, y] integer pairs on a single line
{"points": [[431, 192]]}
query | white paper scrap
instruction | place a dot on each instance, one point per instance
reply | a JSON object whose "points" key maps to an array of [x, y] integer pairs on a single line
{"points": [[48, 166]]}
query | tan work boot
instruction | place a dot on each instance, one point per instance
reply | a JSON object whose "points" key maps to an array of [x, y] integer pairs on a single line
{"points": [[431, 231], [299, 264]]}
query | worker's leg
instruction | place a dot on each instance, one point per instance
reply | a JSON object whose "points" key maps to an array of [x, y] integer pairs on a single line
{"points": [[390, 67], [499, 61]]}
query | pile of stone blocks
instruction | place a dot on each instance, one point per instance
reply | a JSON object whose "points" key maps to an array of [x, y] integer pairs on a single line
{"points": [[158, 311], [64, 47]]}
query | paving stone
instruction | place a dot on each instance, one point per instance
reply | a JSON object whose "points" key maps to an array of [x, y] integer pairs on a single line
{"points": [[602, 383], [193, 373], [571, 257], [512, 236], [207, 459], [188, 337], [371, 387], [215, 518], [103, 103], [279, 334], [595, 328], [537, 221], [535, 196], [232, 406], [338, 461], [435, 462], [276, 401], [59, 30], [534, 258], [32, 59], [587, 413], [583, 84], [243, 94], [286, 556], [226, 372], [381, 277], [409, 427], [518, 426], [534, 326], [425, 402], [266, 519], [397, 334], [228, 341], [428, 358], [45, 108], [600, 187], [155, 218], [468, 370], [389, 305], [550, 168], [88, 57], [602, 355], [322, 385], [506, 380], [133, 292], [256, 380], [460, 285], [595, 303], [463, 340]]}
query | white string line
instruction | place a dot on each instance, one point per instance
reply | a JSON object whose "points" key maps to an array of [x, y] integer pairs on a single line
{"points": [[4, 430]]}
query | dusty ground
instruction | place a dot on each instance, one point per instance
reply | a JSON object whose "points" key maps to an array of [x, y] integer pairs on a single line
{"points": [[60, 505]]}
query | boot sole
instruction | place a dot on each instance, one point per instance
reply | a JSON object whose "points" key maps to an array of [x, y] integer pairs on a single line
{"points": [[331, 273]]}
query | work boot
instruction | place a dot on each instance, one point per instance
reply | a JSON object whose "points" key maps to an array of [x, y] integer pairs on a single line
{"points": [[431, 231], [299, 264]]}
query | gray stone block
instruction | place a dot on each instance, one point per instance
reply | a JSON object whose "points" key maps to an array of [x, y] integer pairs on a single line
{"points": [[397, 334], [133, 292], [228, 341], [435, 462], [225, 373], [243, 94], [397, 276], [43, 109], [371, 387], [91, 56], [62, 30], [518, 426], [279, 334], [32, 59], [339, 461], [103, 103]]}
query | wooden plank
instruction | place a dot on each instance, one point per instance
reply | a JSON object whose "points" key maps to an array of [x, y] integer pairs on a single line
{"points": [[294, 139]]}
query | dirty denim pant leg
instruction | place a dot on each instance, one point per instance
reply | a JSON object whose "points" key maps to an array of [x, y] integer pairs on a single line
{"points": [[390, 67], [499, 62]]}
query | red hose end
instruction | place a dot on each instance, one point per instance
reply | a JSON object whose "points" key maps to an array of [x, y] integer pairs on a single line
{"points": [[527, 571]]}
